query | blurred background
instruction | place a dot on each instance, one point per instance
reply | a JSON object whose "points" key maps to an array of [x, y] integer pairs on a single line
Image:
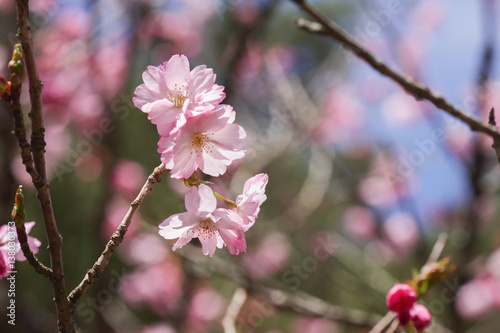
{"points": [[362, 177]]}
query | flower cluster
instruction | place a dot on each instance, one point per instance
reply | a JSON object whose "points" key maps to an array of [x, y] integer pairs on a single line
{"points": [[198, 133], [402, 299]]}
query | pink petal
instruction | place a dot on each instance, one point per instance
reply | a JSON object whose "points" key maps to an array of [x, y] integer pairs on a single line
{"points": [[201, 201], [184, 164], [208, 245], [213, 166], [202, 79], [177, 71], [142, 96], [231, 136], [153, 81], [178, 224], [231, 231]]}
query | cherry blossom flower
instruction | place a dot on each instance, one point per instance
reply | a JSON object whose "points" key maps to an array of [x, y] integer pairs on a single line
{"points": [[252, 197], [5, 238], [209, 141], [214, 227], [171, 93]]}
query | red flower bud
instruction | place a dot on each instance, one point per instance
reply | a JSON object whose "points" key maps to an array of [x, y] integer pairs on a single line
{"points": [[420, 316], [401, 298]]}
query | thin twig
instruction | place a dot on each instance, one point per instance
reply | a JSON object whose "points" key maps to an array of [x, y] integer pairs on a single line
{"points": [[437, 249], [417, 89], [229, 320], [115, 240], [20, 133], [30, 256], [309, 305], [387, 320], [65, 320], [496, 142]]}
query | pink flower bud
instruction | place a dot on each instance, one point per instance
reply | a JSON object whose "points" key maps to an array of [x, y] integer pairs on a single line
{"points": [[420, 316], [401, 298]]}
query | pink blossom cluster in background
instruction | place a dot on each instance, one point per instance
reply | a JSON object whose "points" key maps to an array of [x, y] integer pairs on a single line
{"points": [[482, 294], [198, 133], [8, 236]]}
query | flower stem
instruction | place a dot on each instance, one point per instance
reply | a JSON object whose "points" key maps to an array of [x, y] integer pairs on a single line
{"points": [[229, 203]]}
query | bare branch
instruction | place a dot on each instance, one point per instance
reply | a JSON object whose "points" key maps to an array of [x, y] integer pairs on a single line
{"points": [[306, 304], [30, 257], [438, 248], [417, 89], [387, 320], [20, 133], [115, 240], [65, 320], [496, 142]]}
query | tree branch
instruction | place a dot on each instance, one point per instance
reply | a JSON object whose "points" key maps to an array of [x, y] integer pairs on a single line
{"points": [[115, 240], [496, 142], [30, 257], [20, 133], [417, 89], [65, 320]]}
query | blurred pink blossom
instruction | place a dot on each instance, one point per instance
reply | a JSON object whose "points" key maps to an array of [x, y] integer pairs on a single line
{"points": [[206, 305], [145, 249], [110, 68], [428, 15], [477, 297], [359, 223], [402, 231], [58, 157], [127, 177], [6, 6], [459, 140], [8, 235], [401, 109], [246, 12], [182, 27], [377, 191], [268, 257], [157, 285], [314, 325], [343, 115]]}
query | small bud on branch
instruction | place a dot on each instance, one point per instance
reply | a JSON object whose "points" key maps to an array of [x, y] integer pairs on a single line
{"points": [[16, 66], [18, 213]]}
